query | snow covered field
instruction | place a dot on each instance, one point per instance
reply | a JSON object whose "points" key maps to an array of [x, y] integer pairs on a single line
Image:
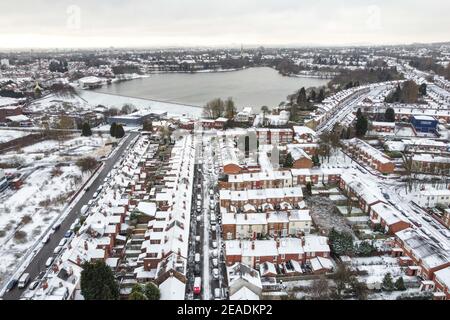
{"points": [[8, 135], [28, 212], [53, 150], [86, 100]]}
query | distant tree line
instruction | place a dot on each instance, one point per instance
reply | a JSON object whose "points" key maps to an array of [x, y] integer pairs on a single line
{"points": [[429, 64], [353, 78]]}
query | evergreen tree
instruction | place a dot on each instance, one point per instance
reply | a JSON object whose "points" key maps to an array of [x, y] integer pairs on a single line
{"points": [[341, 243], [313, 96], [321, 95], [316, 160], [120, 132], [423, 89], [399, 284], [389, 115], [301, 98], [86, 130], [97, 282], [361, 126], [309, 188], [152, 292], [388, 284], [288, 161], [358, 113], [113, 130]]}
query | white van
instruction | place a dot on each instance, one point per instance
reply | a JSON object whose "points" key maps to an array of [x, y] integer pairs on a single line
{"points": [[197, 257], [213, 219], [23, 281]]}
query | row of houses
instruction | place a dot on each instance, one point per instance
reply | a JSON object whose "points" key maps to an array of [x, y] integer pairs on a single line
{"points": [[253, 253], [261, 199], [426, 260], [369, 155], [275, 224], [372, 202], [280, 178]]}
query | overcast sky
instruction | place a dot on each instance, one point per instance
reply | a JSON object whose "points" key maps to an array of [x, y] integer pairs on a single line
{"points": [[142, 23]]}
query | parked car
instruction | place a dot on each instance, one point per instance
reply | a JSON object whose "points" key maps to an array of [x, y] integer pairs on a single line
{"points": [[49, 262], [197, 270], [62, 242], [215, 262], [56, 226], [197, 257], [215, 253], [216, 273], [11, 285], [214, 244], [68, 234], [57, 250], [217, 293], [197, 285], [46, 239], [33, 285]]}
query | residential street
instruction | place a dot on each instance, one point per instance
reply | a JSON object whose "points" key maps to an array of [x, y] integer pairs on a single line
{"points": [[37, 265]]}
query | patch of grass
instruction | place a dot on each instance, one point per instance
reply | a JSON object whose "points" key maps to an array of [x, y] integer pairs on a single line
{"points": [[20, 236], [26, 219]]}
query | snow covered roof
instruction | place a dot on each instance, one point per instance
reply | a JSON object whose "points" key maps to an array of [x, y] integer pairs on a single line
{"points": [[244, 294], [172, 289], [147, 208], [388, 213], [316, 244], [320, 263], [443, 276]]}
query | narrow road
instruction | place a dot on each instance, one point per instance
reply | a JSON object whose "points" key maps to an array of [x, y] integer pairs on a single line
{"points": [[37, 265]]}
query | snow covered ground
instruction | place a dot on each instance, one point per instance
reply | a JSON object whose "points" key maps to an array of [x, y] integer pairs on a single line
{"points": [[85, 100], [8, 135], [49, 151], [27, 213]]}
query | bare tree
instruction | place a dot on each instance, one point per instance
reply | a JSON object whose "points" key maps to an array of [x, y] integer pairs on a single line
{"points": [[319, 289]]}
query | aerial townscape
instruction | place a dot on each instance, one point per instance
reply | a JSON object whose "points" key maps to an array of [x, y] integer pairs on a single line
{"points": [[240, 172]]}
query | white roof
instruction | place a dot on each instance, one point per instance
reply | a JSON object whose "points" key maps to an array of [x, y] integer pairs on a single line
{"points": [[147, 208], [172, 289], [443, 276], [244, 294]]}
